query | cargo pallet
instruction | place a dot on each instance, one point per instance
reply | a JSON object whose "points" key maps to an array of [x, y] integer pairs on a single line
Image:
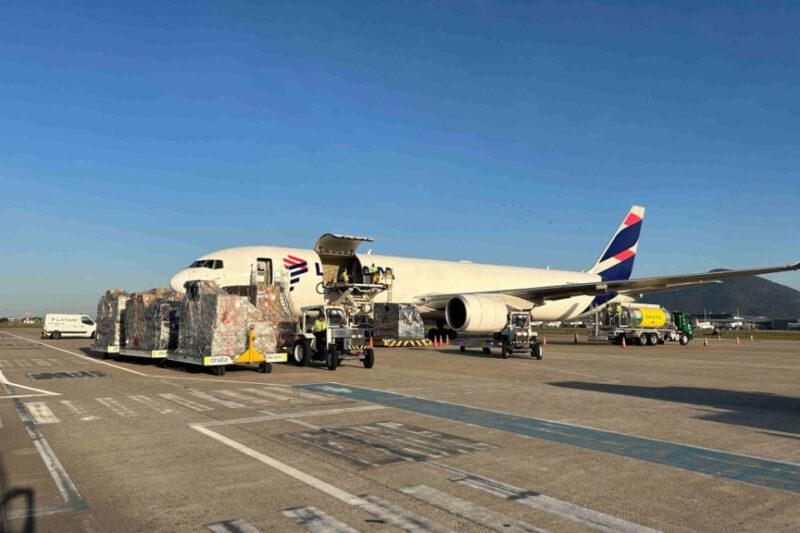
{"points": [[397, 343], [217, 364]]}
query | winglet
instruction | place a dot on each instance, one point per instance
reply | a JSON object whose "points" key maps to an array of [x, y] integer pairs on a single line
{"points": [[616, 261]]}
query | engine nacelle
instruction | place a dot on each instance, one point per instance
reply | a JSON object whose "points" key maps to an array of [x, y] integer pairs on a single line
{"points": [[476, 313]]}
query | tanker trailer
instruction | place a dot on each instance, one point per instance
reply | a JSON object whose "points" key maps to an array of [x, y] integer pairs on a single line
{"points": [[642, 324]]}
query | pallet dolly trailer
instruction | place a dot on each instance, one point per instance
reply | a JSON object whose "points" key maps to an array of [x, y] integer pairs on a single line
{"points": [[106, 351], [250, 357], [157, 355], [516, 338]]}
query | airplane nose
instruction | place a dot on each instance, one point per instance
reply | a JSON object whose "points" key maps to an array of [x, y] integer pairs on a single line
{"points": [[178, 280]]}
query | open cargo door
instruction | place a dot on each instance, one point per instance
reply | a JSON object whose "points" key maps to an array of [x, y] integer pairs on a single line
{"points": [[337, 253]]}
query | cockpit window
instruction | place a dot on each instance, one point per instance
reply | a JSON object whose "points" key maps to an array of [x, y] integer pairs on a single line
{"points": [[216, 264]]}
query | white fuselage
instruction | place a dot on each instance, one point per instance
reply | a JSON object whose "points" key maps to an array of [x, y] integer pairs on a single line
{"points": [[413, 278]]}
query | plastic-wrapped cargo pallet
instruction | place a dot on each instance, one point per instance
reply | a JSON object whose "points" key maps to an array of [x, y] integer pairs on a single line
{"points": [[267, 298], [215, 323], [397, 321], [110, 316], [151, 320]]}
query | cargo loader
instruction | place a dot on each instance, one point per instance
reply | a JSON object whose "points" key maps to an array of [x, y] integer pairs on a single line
{"points": [[641, 324]]}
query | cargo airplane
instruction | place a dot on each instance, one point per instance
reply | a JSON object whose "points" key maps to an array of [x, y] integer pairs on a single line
{"points": [[465, 296]]}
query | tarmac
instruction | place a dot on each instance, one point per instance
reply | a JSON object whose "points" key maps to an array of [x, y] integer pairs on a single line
{"points": [[592, 437]]}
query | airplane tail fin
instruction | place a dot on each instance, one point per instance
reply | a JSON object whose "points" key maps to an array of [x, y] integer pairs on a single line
{"points": [[616, 261]]}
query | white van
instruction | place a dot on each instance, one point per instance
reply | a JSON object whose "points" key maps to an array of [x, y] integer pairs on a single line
{"points": [[59, 325]]}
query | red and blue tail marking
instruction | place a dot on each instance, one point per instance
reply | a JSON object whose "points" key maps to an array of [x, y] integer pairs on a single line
{"points": [[296, 267], [616, 261]]}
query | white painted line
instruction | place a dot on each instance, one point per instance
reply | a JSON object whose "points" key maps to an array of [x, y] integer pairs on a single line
{"points": [[316, 521], [318, 484], [4, 363], [213, 399], [233, 526], [92, 359], [402, 518], [40, 362], [189, 404], [79, 411], [291, 416], [583, 515], [151, 403], [4, 381], [273, 395], [466, 509], [65, 486], [117, 407], [41, 413], [293, 391], [245, 398]]}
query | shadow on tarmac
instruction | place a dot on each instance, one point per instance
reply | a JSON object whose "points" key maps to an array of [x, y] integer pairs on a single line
{"points": [[9, 495], [752, 409]]}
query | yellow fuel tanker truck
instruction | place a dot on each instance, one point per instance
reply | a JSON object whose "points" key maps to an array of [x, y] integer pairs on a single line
{"points": [[642, 324]]}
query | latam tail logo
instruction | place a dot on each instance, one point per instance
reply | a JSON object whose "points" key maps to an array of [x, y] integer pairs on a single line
{"points": [[616, 263], [296, 268]]}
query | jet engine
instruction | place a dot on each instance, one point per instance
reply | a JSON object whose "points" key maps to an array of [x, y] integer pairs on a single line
{"points": [[476, 313]]}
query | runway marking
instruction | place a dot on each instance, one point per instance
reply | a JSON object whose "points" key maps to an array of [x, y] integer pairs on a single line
{"points": [[213, 399], [466, 509], [292, 391], [41, 413], [583, 515], [79, 411], [274, 395], [316, 521], [66, 487], [93, 360], [233, 526], [116, 406], [41, 392], [737, 467], [40, 362], [401, 518], [245, 398], [151, 403], [189, 404], [301, 414]]}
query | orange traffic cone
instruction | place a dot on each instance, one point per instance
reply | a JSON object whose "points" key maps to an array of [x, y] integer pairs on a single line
{"points": [[575, 340], [437, 342], [544, 340], [447, 340], [737, 339], [705, 341], [371, 342], [623, 343]]}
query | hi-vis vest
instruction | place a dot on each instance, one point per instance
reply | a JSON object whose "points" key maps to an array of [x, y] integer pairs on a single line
{"points": [[320, 325]]}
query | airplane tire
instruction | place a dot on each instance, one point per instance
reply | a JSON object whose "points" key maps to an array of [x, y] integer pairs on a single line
{"points": [[301, 353]]}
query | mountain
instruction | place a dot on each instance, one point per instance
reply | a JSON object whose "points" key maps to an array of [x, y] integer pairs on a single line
{"points": [[752, 296]]}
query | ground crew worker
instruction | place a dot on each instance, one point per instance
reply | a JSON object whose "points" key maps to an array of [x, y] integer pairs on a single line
{"points": [[388, 278], [344, 277], [320, 331], [373, 273]]}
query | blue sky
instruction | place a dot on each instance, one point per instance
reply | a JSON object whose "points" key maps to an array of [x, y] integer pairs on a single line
{"points": [[136, 137]]}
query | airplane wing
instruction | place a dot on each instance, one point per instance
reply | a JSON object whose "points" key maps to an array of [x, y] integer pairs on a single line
{"points": [[627, 286]]}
